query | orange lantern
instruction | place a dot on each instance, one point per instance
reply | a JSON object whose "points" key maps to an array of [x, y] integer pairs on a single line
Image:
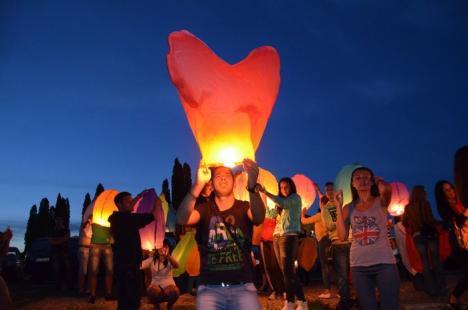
{"points": [[399, 199], [103, 207], [227, 106], [268, 180], [305, 188]]}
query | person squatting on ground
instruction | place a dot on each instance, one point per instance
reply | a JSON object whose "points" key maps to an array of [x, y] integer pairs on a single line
{"points": [[127, 247], [321, 234], [421, 224], [162, 287], [371, 256], [286, 240], [224, 233], [5, 298]]}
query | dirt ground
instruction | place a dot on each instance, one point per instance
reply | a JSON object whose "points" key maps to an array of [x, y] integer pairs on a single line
{"points": [[30, 296]]}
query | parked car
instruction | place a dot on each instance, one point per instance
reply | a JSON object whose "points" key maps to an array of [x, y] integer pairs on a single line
{"points": [[38, 261], [11, 265]]}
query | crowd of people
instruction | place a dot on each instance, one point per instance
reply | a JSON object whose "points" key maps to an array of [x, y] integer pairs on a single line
{"points": [[354, 248]]}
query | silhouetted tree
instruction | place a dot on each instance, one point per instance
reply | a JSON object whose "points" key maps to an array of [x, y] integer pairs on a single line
{"points": [[99, 190], [86, 203], [31, 228], [43, 219], [178, 184], [187, 178], [165, 189]]}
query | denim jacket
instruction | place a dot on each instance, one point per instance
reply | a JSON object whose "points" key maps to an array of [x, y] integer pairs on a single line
{"points": [[289, 221]]}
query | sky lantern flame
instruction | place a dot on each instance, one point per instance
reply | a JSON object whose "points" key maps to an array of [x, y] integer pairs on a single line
{"points": [[399, 199], [305, 188], [103, 207], [227, 106]]}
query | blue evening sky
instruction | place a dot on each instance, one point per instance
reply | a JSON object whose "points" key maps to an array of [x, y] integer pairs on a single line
{"points": [[85, 96]]}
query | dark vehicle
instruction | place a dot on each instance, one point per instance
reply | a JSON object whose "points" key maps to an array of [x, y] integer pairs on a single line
{"points": [[11, 265], [38, 260]]}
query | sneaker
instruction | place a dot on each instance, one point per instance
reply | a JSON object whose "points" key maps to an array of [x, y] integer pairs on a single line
{"points": [[325, 295], [302, 305], [288, 305], [92, 299]]}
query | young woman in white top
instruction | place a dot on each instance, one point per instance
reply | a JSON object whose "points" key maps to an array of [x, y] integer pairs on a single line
{"points": [[371, 257], [162, 287]]}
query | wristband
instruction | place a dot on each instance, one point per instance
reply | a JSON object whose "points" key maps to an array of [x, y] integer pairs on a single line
{"points": [[254, 189]]}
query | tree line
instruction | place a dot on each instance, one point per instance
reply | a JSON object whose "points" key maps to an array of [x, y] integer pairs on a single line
{"points": [[41, 220]]}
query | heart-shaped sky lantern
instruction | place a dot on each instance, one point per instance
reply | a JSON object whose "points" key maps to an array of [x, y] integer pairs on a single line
{"points": [[152, 235], [227, 106], [399, 199], [305, 188], [343, 182], [103, 207]]}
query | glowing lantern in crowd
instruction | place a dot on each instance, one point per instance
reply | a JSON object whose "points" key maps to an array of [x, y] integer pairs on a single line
{"points": [[103, 207], [182, 251], [305, 188], [193, 262], [227, 106], [343, 182], [152, 235], [399, 200], [268, 180]]}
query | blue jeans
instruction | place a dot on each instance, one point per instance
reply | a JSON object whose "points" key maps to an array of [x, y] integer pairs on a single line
{"points": [[233, 297], [286, 252], [383, 276], [323, 245], [340, 254], [434, 280]]}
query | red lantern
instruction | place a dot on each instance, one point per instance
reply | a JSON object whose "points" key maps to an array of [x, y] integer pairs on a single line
{"points": [[399, 199]]}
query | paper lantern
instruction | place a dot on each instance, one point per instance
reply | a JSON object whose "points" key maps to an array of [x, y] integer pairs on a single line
{"points": [[307, 253], [305, 188], [152, 235], [103, 207], [193, 262], [399, 199], [343, 182], [268, 180], [182, 251], [227, 106]]}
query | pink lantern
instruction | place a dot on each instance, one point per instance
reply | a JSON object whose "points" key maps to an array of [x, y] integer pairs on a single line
{"points": [[152, 235], [399, 199], [305, 188]]}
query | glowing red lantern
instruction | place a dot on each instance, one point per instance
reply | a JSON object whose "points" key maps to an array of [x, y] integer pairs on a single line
{"points": [[227, 106]]}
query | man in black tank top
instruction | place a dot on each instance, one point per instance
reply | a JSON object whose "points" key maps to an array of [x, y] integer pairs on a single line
{"points": [[224, 232]]}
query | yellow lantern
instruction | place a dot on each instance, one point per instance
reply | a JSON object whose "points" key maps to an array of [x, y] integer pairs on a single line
{"points": [[268, 180], [227, 106], [103, 207]]}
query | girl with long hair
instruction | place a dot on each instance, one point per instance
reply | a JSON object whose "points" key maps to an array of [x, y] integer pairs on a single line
{"points": [[371, 256], [286, 240], [421, 224], [162, 287]]}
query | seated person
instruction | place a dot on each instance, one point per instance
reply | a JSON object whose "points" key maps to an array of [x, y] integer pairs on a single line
{"points": [[162, 287]]}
